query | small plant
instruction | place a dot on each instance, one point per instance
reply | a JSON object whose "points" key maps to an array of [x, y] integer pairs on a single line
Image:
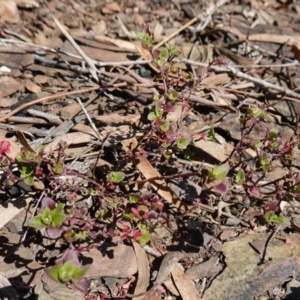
{"points": [[68, 270], [135, 215], [51, 217], [270, 150], [172, 96]]}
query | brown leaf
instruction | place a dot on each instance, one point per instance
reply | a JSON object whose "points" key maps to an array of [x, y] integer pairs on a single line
{"points": [[113, 6], [32, 87], [41, 79], [296, 50], [9, 11], [184, 285], [9, 85], [206, 269], [160, 186], [144, 270], [139, 20]]}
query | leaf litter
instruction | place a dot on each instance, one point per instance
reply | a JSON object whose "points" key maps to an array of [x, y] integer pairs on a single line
{"points": [[66, 55]]}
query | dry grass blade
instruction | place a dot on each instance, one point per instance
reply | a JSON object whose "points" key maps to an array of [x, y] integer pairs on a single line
{"points": [[91, 66]]}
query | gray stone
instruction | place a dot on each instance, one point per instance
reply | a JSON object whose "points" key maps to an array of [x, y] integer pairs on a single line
{"points": [[244, 277]]}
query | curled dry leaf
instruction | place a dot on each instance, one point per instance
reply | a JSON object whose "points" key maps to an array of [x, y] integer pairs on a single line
{"points": [[144, 270]]}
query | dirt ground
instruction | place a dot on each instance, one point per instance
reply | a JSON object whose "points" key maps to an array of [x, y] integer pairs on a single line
{"points": [[76, 71]]}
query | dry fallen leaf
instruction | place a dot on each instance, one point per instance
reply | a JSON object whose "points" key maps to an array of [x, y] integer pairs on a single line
{"points": [[160, 186], [9, 11], [9, 85], [113, 6], [32, 87], [296, 50], [184, 285], [144, 270]]}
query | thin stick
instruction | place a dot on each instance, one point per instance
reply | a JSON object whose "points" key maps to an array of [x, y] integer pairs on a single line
{"points": [[92, 68], [52, 97], [261, 82], [25, 234], [88, 117], [166, 39], [270, 238]]}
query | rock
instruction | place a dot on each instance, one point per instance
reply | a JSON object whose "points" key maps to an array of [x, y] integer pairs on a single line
{"points": [[206, 269], [15, 258], [244, 277], [112, 261], [61, 293], [293, 289], [185, 189]]}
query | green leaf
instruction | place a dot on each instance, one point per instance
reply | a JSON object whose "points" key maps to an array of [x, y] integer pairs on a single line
{"points": [[29, 180], [82, 235], [182, 143], [128, 215], [144, 239], [116, 177], [163, 54], [25, 169], [78, 273], [240, 177], [167, 154], [157, 114], [46, 216], [133, 199], [211, 135], [172, 50], [220, 172], [36, 222], [254, 112], [18, 158], [265, 163], [65, 273], [140, 35], [28, 155], [272, 218], [103, 215], [157, 97], [152, 116], [173, 96], [58, 168], [273, 133], [146, 39], [39, 148], [57, 218], [165, 127], [257, 145], [53, 273], [60, 206], [297, 188]]}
